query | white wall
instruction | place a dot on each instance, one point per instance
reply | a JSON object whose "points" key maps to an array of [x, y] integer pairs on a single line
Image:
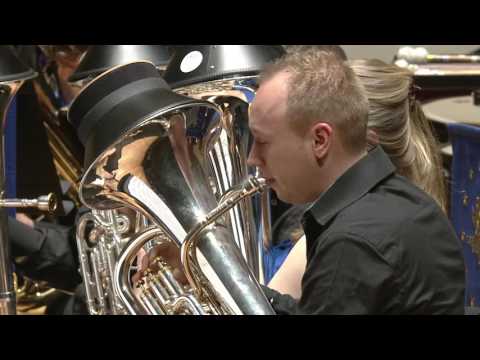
{"points": [[387, 52]]}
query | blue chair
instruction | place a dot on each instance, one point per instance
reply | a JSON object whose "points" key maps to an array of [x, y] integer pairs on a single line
{"points": [[281, 243], [465, 203], [274, 257]]}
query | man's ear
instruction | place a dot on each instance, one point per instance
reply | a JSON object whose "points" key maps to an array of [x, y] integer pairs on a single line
{"points": [[322, 139], [372, 137]]}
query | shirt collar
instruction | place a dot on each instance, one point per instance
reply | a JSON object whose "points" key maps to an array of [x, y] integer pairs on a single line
{"points": [[352, 185]]}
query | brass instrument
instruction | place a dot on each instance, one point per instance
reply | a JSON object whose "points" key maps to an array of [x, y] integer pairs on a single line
{"points": [[46, 203], [99, 251], [67, 151], [67, 155], [149, 149], [63, 144], [100, 58], [161, 293], [13, 73], [33, 297], [227, 76]]}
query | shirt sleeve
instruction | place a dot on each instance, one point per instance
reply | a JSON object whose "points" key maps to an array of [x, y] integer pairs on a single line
{"points": [[49, 253], [345, 275]]}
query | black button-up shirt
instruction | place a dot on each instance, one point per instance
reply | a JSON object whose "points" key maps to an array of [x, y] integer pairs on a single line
{"points": [[376, 244]]}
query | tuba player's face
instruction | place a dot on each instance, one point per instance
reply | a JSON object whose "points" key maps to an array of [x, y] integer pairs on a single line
{"points": [[284, 157]]}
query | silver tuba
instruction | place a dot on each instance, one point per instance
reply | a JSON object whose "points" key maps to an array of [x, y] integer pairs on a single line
{"points": [[147, 155], [111, 228], [100, 58], [227, 76]]}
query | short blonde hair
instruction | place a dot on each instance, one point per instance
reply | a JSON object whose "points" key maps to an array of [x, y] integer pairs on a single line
{"points": [[322, 87]]}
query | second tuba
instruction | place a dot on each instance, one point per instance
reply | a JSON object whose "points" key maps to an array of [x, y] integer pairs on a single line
{"points": [[147, 152], [227, 76]]}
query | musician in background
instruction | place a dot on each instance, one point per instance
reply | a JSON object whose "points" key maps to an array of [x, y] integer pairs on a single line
{"points": [[396, 122], [375, 243], [44, 250], [57, 63], [45, 133]]}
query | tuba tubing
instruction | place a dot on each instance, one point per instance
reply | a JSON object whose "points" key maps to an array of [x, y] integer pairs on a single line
{"points": [[212, 250]]}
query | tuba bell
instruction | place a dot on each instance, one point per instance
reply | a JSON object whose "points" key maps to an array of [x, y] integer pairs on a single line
{"points": [[100, 58], [227, 76], [110, 225], [148, 158]]}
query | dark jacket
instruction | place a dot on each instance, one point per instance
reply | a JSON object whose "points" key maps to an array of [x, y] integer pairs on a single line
{"points": [[45, 253]]}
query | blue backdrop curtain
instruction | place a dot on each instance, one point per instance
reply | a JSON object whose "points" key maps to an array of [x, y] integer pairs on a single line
{"points": [[465, 202]]}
